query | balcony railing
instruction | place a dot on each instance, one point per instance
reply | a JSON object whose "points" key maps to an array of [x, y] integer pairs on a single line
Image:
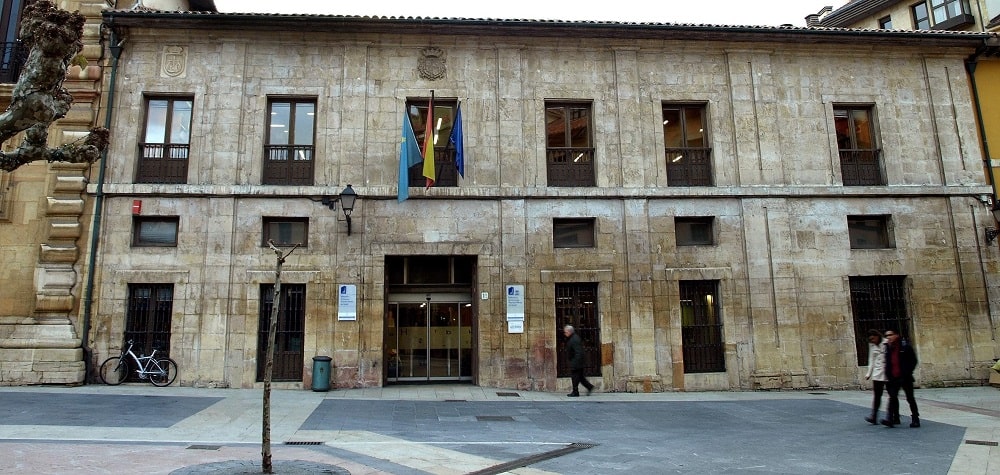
{"points": [[570, 166], [444, 169], [288, 165], [12, 61], [162, 163], [689, 166], [862, 167]]}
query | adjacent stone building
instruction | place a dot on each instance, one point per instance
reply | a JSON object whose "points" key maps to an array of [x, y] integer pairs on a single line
{"points": [[713, 207], [44, 221]]}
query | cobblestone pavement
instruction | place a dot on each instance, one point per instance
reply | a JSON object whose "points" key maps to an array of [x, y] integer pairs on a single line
{"points": [[456, 429]]}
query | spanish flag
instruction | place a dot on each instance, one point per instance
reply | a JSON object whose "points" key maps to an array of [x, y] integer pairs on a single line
{"points": [[429, 130]]}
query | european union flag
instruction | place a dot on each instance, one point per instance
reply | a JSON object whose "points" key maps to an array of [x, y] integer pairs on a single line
{"points": [[458, 141]]}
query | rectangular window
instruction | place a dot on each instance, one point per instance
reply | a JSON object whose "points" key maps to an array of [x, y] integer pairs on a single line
{"points": [[286, 231], [869, 232], [878, 303], [860, 157], [154, 231], [701, 327], [445, 171], [569, 147], [165, 146], [573, 232], [948, 14], [921, 19], [14, 52], [885, 23], [148, 317], [689, 158], [576, 304], [694, 231], [289, 357], [290, 144]]}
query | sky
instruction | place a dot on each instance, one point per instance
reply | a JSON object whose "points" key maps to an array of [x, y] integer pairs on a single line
{"points": [[717, 12]]}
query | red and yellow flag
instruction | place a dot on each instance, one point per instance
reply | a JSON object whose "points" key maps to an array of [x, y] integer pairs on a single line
{"points": [[429, 131]]}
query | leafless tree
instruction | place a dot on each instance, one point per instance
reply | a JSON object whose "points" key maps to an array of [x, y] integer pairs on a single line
{"points": [[265, 449], [53, 37]]}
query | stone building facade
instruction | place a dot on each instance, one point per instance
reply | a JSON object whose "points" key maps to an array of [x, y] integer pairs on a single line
{"points": [[44, 221], [711, 207]]}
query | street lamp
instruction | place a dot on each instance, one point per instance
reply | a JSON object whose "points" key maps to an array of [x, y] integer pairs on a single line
{"points": [[346, 199]]}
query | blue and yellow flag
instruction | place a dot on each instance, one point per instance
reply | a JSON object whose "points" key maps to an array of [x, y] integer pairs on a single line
{"points": [[409, 155]]}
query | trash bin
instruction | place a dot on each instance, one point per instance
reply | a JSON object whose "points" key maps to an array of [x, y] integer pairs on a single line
{"points": [[321, 373]]}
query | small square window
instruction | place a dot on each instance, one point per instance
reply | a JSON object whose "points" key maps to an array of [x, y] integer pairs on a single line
{"points": [[573, 232], [885, 23], [695, 231], [869, 232], [286, 231], [154, 231]]}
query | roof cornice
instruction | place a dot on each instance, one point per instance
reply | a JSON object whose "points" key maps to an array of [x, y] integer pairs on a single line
{"points": [[854, 11], [533, 28]]}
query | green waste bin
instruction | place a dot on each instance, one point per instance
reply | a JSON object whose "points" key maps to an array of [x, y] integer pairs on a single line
{"points": [[321, 373]]}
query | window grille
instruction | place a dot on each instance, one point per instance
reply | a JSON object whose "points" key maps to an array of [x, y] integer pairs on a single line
{"points": [[878, 303], [701, 327], [288, 342], [577, 305]]}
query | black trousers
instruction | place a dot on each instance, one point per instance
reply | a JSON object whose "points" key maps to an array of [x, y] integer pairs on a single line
{"points": [[578, 379], [877, 388], [907, 385]]}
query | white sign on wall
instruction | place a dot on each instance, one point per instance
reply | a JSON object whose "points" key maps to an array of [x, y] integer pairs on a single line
{"points": [[515, 326], [347, 302], [515, 303]]}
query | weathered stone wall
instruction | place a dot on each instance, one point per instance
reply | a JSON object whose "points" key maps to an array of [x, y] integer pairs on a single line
{"points": [[782, 256]]}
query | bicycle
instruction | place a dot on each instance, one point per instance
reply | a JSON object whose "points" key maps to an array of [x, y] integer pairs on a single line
{"points": [[159, 372]]}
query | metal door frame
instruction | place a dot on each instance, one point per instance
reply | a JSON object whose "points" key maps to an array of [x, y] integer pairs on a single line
{"points": [[456, 298]]}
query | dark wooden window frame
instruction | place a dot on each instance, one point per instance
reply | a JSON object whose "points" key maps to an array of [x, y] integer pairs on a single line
{"points": [[567, 231], [687, 165], [859, 227], [444, 155], [921, 14], [138, 239], [289, 164], [164, 162], [885, 22], [703, 340], [267, 221], [571, 166], [689, 222], [859, 166]]}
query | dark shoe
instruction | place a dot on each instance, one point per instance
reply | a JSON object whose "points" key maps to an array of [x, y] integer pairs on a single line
{"points": [[895, 420], [573, 395], [887, 423], [871, 420], [915, 422]]}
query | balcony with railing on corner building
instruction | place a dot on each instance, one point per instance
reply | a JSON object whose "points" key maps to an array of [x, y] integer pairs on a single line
{"points": [[862, 167], [12, 61]]}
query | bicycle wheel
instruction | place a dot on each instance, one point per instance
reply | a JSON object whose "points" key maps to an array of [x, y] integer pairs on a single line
{"points": [[114, 370], [163, 373]]}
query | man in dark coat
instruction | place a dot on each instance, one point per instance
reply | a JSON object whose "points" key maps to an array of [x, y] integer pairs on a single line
{"points": [[574, 353], [900, 361]]}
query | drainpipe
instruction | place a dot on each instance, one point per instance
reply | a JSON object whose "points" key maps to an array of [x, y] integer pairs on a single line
{"points": [[970, 66], [116, 52]]}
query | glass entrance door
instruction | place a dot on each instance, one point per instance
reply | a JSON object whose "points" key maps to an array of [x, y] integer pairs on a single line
{"points": [[429, 340]]}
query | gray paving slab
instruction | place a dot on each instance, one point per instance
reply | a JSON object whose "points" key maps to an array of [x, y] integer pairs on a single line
{"points": [[98, 410]]}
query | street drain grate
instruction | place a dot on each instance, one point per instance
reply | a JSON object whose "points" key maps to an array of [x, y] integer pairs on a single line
{"points": [[819, 394], [981, 442], [454, 400], [503, 394], [494, 418], [302, 442], [532, 459], [204, 447]]}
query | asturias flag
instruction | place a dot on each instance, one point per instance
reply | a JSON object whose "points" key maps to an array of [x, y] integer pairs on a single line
{"points": [[429, 145], [458, 141], [409, 155]]}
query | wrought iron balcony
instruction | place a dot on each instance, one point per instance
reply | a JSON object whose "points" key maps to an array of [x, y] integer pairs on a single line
{"points": [[570, 166], [689, 166], [288, 165], [862, 167], [162, 163], [12, 61]]}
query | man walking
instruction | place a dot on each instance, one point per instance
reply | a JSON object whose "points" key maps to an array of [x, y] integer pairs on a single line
{"points": [[900, 361], [574, 353]]}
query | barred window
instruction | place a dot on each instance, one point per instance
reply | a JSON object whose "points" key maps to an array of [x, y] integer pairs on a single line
{"points": [[701, 327]]}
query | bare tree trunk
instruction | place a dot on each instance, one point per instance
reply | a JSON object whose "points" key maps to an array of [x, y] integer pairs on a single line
{"points": [[265, 449], [54, 39]]}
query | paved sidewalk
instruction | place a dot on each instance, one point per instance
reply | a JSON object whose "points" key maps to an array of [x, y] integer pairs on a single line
{"points": [[456, 429]]}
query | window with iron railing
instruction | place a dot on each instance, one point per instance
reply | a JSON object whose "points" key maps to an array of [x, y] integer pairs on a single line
{"points": [[860, 157], [148, 317], [577, 305], [164, 151], [290, 146], [446, 173], [878, 303], [701, 327], [569, 148], [689, 158], [14, 54]]}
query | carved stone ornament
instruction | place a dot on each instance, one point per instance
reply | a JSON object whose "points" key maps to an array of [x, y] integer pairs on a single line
{"points": [[174, 61], [432, 64]]}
